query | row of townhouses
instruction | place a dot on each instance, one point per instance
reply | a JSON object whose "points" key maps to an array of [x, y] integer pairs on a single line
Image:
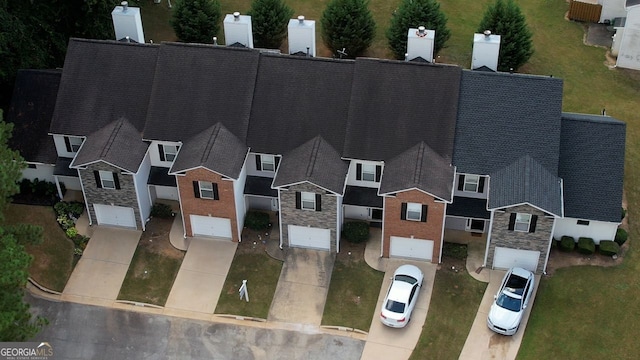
{"points": [[415, 148]]}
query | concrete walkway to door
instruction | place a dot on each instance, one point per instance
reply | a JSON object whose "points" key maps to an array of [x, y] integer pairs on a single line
{"points": [[99, 274], [302, 288], [201, 276]]}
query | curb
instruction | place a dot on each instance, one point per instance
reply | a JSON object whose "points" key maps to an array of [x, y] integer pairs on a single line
{"points": [[139, 304], [238, 317], [42, 288], [344, 328]]}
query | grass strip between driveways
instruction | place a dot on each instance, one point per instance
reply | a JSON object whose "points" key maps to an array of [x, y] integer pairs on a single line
{"points": [[262, 273], [454, 303], [53, 258], [150, 277], [353, 293]]}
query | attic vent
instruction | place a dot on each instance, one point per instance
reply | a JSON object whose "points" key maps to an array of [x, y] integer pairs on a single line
{"points": [[236, 16], [487, 33], [422, 32], [125, 6]]}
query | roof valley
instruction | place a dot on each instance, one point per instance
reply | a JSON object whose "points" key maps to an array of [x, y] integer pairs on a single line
{"points": [[112, 138]]}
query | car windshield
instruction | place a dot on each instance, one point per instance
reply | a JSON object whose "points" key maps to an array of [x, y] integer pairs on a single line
{"points": [[395, 306], [406, 278], [508, 302]]}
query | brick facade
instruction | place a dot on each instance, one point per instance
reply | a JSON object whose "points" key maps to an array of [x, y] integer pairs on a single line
{"points": [[225, 207], [503, 237], [125, 196], [429, 230], [325, 219]]}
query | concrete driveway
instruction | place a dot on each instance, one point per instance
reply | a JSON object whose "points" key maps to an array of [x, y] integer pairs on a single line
{"points": [[201, 276], [483, 343], [386, 343], [302, 288], [98, 276]]}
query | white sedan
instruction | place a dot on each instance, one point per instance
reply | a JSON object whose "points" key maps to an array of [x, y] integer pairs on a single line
{"points": [[402, 296], [511, 301]]}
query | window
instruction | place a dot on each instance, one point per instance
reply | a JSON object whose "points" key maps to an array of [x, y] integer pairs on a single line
{"points": [[368, 172], [167, 152], [72, 143], [205, 190], [107, 180], [583, 222], [471, 183], [522, 222], [268, 162], [32, 166], [308, 201], [414, 211]]}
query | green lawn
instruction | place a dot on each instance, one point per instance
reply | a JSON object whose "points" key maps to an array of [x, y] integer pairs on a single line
{"points": [[53, 258], [261, 272], [353, 291]]}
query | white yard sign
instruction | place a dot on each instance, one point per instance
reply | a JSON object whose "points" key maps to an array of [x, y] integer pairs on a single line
{"points": [[243, 291]]}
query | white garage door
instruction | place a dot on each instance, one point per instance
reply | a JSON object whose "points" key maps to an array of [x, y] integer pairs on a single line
{"points": [[309, 237], [115, 215], [210, 226], [411, 248], [505, 258]]}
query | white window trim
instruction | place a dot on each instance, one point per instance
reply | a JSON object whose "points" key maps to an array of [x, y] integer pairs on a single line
{"points": [[308, 198], [473, 181], [170, 152], [268, 160], [414, 208], [520, 220], [75, 143], [368, 170], [205, 186], [107, 180]]}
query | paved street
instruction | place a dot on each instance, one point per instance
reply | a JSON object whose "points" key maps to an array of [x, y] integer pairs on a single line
{"points": [[79, 331]]}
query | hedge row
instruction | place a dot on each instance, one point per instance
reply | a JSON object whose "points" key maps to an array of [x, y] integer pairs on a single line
{"points": [[587, 246]]}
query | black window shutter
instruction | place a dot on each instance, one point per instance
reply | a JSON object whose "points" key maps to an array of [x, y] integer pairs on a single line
{"points": [[277, 162], [96, 173], [196, 189], [378, 173], [298, 200], [403, 211], [318, 202], [532, 226], [161, 151], [258, 163], [216, 196], [116, 181], [67, 143], [481, 184], [460, 182], [424, 213], [512, 221], [358, 171]]}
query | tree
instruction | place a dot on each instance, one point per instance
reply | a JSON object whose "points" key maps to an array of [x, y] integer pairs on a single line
{"points": [[196, 20], [414, 13], [16, 322], [504, 18], [348, 25], [269, 20]]}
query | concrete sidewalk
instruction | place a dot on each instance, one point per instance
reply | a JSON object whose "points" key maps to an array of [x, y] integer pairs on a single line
{"points": [[99, 274]]}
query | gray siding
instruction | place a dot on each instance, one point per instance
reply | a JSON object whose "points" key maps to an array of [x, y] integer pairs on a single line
{"points": [[325, 219], [125, 196], [503, 237]]}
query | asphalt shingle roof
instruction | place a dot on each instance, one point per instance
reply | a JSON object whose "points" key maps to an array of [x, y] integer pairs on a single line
{"points": [[592, 166], [503, 117], [216, 149], [398, 103], [297, 99], [419, 168], [526, 181], [119, 143], [197, 86], [31, 109], [103, 81], [315, 161], [468, 207]]}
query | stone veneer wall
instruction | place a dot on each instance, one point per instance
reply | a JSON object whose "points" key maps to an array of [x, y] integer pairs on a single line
{"points": [[325, 219], [537, 241], [125, 196]]}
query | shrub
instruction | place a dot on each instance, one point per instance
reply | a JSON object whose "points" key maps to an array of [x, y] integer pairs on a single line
{"points": [[80, 241], [72, 232], [456, 251], [257, 220], [624, 213], [73, 208], [356, 231], [621, 236], [586, 246], [161, 211], [36, 192], [65, 222], [609, 247], [567, 243]]}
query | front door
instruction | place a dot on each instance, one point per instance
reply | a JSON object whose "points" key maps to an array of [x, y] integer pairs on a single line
{"points": [[475, 225]]}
